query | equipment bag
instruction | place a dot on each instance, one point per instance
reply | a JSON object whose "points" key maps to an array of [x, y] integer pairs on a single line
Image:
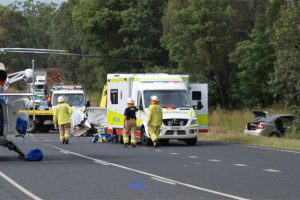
{"points": [[35, 155]]}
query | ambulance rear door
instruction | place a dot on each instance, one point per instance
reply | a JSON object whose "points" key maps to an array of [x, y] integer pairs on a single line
{"points": [[198, 93]]}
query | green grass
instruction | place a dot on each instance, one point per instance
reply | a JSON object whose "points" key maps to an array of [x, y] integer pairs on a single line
{"points": [[228, 126]]}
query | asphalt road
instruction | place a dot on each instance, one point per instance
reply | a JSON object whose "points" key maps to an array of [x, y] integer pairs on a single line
{"points": [[86, 170]]}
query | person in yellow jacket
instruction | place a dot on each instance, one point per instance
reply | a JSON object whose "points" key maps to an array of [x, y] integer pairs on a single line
{"points": [[154, 120], [61, 117], [129, 123]]}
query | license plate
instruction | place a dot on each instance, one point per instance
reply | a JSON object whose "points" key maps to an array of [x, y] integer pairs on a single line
{"points": [[175, 128]]}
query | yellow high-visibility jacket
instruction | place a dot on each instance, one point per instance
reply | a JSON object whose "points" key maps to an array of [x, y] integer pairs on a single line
{"points": [[62, 114], [154, 115]]}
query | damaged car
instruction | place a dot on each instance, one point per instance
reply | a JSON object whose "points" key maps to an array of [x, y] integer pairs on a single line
{"points": [[269, 125]]}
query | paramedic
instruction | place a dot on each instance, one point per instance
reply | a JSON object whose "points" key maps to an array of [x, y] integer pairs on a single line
{"points": [[129, 123], [154, 120], [62, 115]]}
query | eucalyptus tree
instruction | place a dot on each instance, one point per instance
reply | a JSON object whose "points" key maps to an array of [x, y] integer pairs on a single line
{"points": [[199, 35], [287, 47]]}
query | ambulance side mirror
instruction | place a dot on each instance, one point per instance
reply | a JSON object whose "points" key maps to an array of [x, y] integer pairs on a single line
{"points": [[140, 107]]}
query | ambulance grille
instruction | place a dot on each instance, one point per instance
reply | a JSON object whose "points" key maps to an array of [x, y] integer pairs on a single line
{"points": [[175, 122], [180, 132], [169, 133]]}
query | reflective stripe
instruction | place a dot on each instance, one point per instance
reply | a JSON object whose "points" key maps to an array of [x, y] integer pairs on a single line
{"points": [[203, 119], [114, 118], [118, 80], [114, 80]]}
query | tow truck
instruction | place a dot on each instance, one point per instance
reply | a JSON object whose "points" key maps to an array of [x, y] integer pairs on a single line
{"points": [[41, 118]]}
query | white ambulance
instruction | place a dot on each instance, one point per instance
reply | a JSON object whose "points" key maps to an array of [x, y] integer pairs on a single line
{"points": [[185, 105]]}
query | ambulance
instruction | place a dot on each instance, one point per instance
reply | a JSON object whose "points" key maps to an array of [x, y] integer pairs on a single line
{"points": [[184, 104]]}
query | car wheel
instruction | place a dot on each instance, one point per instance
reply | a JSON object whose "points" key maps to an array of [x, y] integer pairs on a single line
{"points": [[120, 139], [144, 139], [191, 142], [115, 138], [31, 126], [163, 141], [42, 128]]}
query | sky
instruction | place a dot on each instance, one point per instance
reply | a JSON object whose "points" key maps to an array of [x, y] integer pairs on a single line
{"points": [[6, 2]]}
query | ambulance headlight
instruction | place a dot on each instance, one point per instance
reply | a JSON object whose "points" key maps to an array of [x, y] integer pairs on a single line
{"points": [[194, 121]]}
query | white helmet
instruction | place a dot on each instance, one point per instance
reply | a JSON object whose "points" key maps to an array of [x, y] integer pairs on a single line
{"points": [[154, 98], [60, 99], [130, 100]]}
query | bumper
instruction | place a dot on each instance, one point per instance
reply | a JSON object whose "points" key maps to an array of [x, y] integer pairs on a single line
{"points": [[178, 132], [253, 132]]}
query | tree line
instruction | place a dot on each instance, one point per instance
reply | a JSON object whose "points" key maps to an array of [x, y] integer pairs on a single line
{"points": [[246, 50]]}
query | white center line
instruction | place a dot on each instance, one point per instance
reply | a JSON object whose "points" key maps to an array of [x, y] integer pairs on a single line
{"points": [[156, 176], [192, 156], [213, 160], [240, 165], [271, 170], [174, 153], [18, 186]]}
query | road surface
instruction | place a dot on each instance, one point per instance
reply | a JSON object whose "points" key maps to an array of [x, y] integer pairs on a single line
{"points": [[86, 170]]}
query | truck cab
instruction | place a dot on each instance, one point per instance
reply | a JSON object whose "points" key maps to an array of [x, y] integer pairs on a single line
{"points": [[73, 95]]}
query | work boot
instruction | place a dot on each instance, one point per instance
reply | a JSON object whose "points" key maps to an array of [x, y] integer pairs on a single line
{"points": [[67, 141], [155, 143], [63, 141], [126, 144]]}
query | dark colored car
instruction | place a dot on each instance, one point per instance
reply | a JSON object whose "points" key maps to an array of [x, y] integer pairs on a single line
{"points": [[269, 125]]}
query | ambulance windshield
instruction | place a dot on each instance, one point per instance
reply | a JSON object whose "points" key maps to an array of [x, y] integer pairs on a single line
{"points": [[169, 99]]}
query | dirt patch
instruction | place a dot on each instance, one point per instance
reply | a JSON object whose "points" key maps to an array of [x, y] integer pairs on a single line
{"points": [[55, 77]]}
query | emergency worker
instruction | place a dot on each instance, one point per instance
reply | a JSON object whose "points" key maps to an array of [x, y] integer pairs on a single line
{"points": [[129, 123], [62, 115], [154, 120]]}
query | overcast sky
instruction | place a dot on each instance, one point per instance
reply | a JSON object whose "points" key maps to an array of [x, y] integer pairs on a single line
{"points": [[6, 2]]}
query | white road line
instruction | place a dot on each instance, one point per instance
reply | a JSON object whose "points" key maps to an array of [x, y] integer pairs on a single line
{"points": [[240, 165], [269, 148], [100, 162], [271, 170], [18, 186], [156, 176], [158, 150], [213, 160], [163, 180], [65, 152], [192, 156], [174, 153]]}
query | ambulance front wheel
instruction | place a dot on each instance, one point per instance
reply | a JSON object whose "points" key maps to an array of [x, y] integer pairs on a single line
{"points": [[144, 139], [31, 126], [190, 142]]}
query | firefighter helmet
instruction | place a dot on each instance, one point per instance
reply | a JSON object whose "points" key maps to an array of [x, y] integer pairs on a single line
{"points": [[154, 98], [60, 99], [130, 100]]}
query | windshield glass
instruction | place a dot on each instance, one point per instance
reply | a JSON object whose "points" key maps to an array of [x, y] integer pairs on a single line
{"points": [[72, 99], [168, 98]]}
